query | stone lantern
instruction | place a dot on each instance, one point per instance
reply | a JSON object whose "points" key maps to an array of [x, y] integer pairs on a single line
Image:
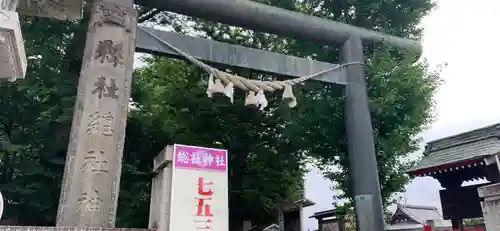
{"points": [[12, 55]]}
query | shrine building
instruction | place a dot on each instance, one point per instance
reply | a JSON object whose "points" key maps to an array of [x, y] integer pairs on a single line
{"points": [[453, 160]]}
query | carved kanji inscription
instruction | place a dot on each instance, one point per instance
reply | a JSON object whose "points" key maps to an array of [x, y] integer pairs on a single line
{"points": [[60, 9], [100, 124], [95, 161], [108, 51], [90, 201], [105, 89], [113, 14]]}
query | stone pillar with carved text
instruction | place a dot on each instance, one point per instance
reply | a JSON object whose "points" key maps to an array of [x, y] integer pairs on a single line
{"points": [[59, 9], [91, 182], [490, 205]]}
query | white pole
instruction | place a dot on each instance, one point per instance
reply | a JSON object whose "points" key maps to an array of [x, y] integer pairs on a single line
{"points": [[1, 205]]}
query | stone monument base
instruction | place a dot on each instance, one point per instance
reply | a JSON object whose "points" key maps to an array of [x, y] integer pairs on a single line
{"points": [[490, 205]]}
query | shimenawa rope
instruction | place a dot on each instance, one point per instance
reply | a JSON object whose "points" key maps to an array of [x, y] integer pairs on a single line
{"points": [[243, 83]]}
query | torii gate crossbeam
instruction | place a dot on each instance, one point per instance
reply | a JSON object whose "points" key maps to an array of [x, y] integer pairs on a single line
{"points": [[230, 55], [265, 18]]}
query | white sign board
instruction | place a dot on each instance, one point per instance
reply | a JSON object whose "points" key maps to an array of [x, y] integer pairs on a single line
{"points": [[199, 199]]}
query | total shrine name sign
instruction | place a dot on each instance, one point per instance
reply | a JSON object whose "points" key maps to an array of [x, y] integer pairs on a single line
{"points": [[199, 199]]}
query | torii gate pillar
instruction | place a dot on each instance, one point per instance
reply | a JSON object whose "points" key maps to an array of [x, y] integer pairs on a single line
{"points": [[360, 143], [91, 182]]}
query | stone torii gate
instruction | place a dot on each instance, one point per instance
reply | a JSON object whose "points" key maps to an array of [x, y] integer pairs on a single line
{"points": [[93, 165]]}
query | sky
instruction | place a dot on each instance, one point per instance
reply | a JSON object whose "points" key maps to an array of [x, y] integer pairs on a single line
{"points": [[463, 35]]}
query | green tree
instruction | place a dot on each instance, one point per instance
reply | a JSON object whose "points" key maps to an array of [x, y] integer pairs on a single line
{"points": [[264, 166], [400, 91], [473, 222]]}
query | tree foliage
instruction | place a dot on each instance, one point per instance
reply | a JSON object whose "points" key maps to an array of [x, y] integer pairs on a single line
{"points": [[267, 149], [400, 91], [263, 167]]}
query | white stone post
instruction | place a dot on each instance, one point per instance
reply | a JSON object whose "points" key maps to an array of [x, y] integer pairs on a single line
{"points": [[91, 182], [490, 205], [161, 190]]}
